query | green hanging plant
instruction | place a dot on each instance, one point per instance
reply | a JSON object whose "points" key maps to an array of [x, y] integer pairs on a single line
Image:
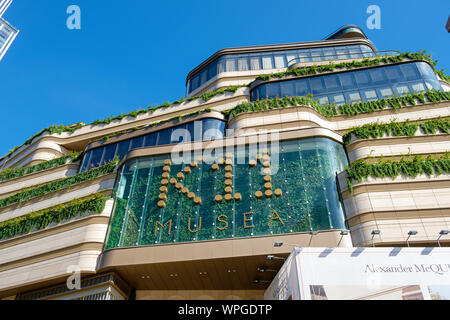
{"points": [[9, 174], [396, 129], [38, 220], [60, 184], [360, 170]]}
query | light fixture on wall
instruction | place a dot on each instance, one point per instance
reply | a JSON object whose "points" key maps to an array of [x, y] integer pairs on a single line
{"points": [[264, 269], [257, 281], [278, 244], [343, 233], [374, 233], [410, 233], [442, 233], [272, 257]]}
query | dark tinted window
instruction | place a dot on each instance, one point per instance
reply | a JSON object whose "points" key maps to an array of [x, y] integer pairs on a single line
{"points": [[110, 151], [272, 89], [164, 136], [96, 158], [137, 142], [179, 134], [150, 139], [287, 89]]}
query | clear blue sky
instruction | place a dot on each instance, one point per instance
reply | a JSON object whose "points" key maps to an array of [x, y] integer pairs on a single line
{"points": [[134, 53]]}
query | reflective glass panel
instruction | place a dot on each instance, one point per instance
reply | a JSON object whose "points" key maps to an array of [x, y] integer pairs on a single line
{"points": [[304, 196], [317, 85], [137, 142], [276, 59], [110, 152], [385, 92], [410, 71], [401, 89], [287, 88], [352, 96], [150, 139], [267, 62], [367, 85], [363, 79], [332, 83], [378, 76], [393, 74], [425, 70], [123, 148], [347, 80], [96, 157], [302, 87], [369, 95]]}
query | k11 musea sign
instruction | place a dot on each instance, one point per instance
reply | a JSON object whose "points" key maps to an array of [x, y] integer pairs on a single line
{"points": [[364, 274], [229, 194]]}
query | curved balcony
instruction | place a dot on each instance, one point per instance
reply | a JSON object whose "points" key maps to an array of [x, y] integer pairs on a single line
{"points": [[301, 61]]}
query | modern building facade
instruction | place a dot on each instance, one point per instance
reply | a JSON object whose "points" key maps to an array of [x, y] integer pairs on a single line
{"points": [[329, 143], [7, 32]]}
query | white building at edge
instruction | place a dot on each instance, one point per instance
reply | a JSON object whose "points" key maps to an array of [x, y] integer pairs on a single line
{"points": [[7, 32]]}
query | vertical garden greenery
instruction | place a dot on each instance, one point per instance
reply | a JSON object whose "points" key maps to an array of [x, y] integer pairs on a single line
{"points": [[38, 220], [409, 167], [60, 184], [394, 128], [9, 174], [305, 171]]}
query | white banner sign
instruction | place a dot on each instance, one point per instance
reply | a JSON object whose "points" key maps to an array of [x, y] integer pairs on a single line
{"points": [[364, 273]]}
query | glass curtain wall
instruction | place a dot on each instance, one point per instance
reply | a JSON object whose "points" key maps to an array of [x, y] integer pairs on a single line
{"points": [[203, 130], [352, 86], [274, 60], [297, 194]]}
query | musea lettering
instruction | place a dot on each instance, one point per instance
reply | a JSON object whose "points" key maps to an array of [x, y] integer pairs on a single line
{"points": [[222, 219]]}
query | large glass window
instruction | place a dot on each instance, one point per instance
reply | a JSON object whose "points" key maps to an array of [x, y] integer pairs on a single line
{"points": [[96, 158], [150, 139], [302, 195], [123, 148], [393, 74], [110, 152], [204, 130], [317, 85], [332, 83], [267, 62], [302, 87], [274, 60], [410, 71], [352, 86], [362, 78]]}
